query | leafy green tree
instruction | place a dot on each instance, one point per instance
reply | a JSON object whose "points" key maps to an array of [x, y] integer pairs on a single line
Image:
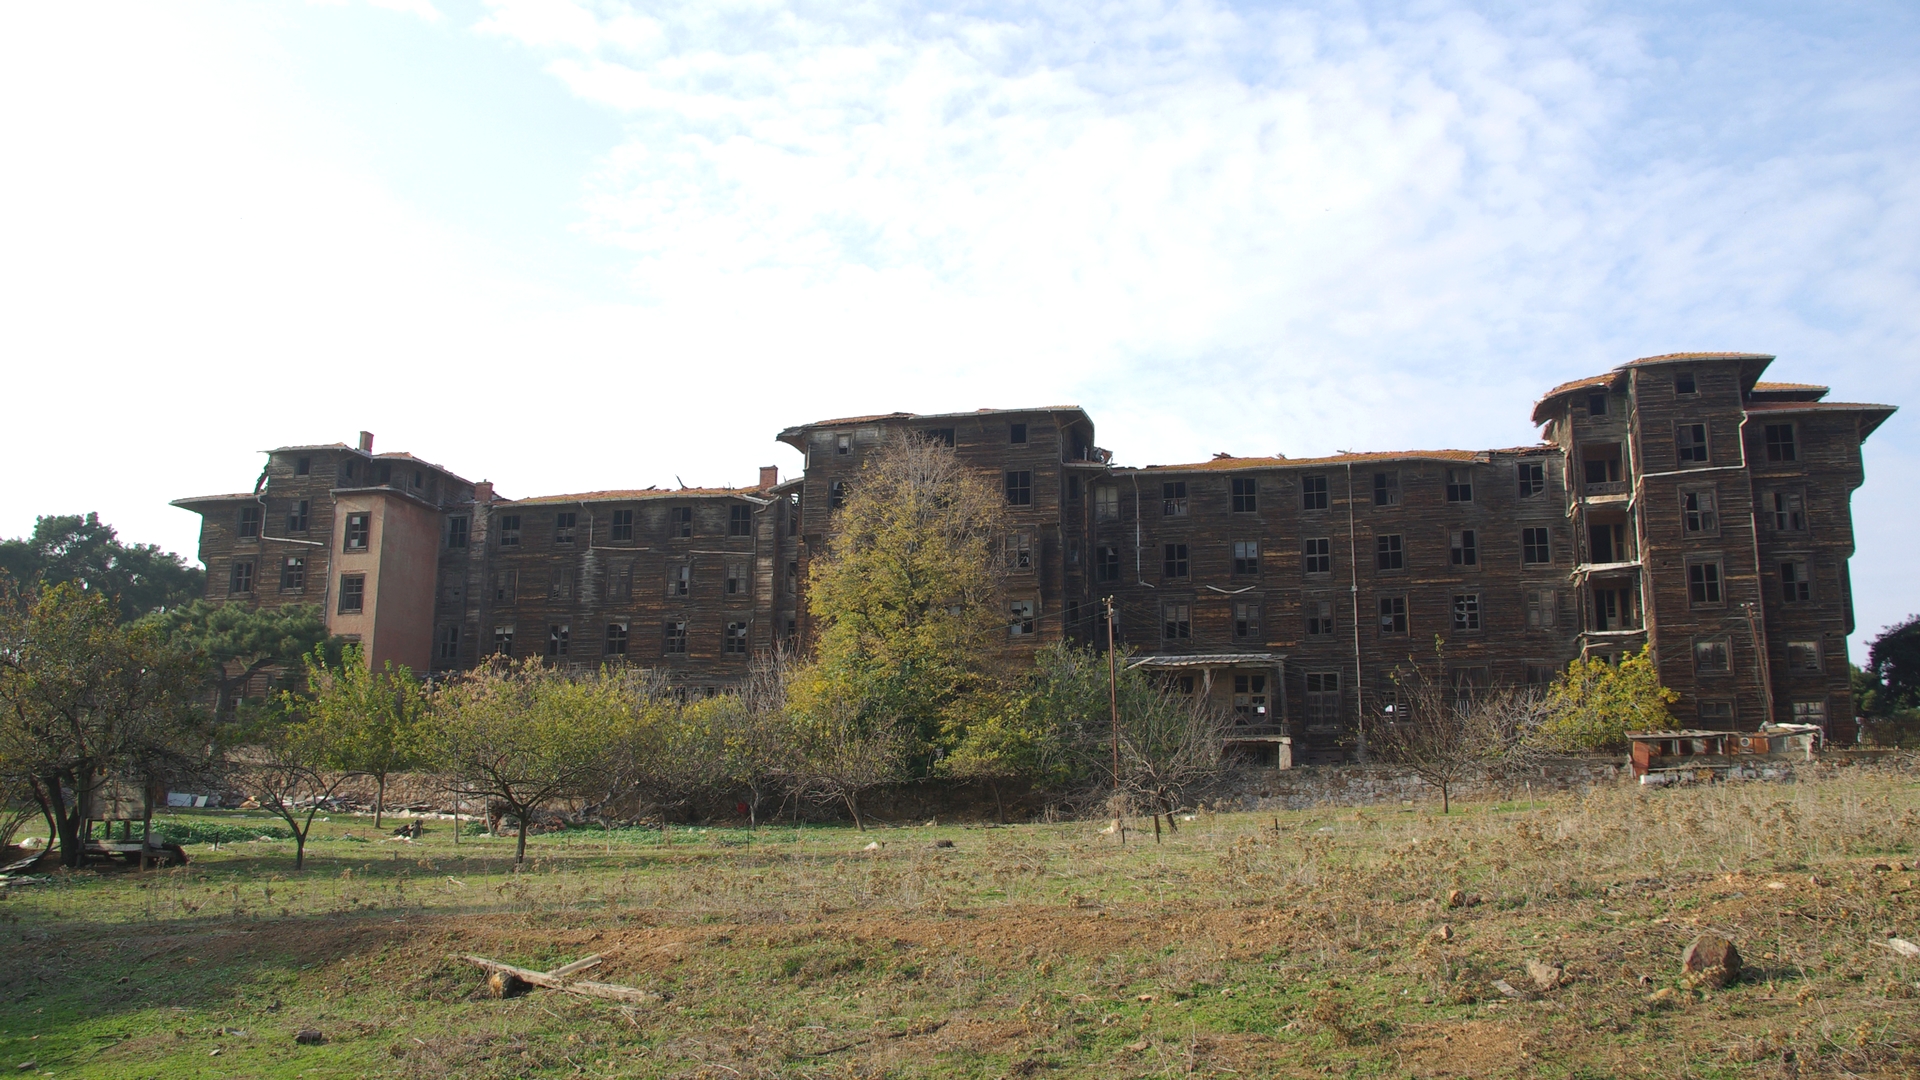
{"points": [[84, 697], [527, 736], [86, 552], [291, 771], [908, 600], [1595, 704], [239, 642], [1893, 660], [360, 720], [1028, 738], [840, 754]]}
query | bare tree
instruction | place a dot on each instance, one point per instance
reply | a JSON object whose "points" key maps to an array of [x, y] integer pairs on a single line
{"points": [[840, 756], [1447, 735], [288, 775], [1170, 741]]}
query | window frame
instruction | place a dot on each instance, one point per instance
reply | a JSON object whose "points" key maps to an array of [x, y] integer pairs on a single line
{"points": [[1796, 579], [1174, 499], [1467, 614], [1019, 487], [1244, 494], [1692, 444], [1022, 617], [1394, 618], [1246, 558], [1530, 478], [357, 533], [1781, 450], [1712, 655], [1246, 620], [1706, 583], [1315, 494], [673, 637], [1316, 550], [1696, 520], [1176, 621], [293, 574], [247, 525], [1459, 484], [565, 522], [1463, 548], [739, 520], [1319, 618], [733, 640], [240, 578], [354, 586], [509, 530], [1389, 552], [1386, 487], [1175, 562], [614, 641], [620, 525], [1536, 545], [459, 532]]}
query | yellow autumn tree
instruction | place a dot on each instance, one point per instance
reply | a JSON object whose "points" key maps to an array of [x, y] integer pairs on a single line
{"points": [[1595, 704]]}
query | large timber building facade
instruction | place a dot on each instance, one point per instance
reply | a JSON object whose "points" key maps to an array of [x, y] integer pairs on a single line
{"points": [[1676, 502]]}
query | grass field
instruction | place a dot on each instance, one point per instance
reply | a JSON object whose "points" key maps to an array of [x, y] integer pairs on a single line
{"points": [[1339, 942]]}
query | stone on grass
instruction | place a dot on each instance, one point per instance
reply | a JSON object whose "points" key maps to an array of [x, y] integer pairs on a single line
{"points": [[1544, 975], [1712, 960], [309, 1037]]}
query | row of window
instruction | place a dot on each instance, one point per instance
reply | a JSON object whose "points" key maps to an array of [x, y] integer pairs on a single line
{"points": [[1244, 491], [559, 643], [566, 524], [1319, 621], [1316, 554], [1714, 656], [618, 584]]}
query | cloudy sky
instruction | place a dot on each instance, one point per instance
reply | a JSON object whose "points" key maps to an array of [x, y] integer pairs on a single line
{"points": [[573, 245]]}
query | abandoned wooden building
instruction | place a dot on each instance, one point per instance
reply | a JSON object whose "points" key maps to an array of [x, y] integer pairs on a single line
{"points": [[1676, 501]]}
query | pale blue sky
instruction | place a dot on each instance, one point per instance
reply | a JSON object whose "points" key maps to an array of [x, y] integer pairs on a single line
{"points": [[567, 246]]}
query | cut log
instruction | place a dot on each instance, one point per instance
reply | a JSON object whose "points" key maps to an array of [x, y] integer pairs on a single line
{"points": [[557, 980]]}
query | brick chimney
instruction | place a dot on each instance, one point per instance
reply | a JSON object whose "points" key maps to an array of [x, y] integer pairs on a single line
{"points": [[483, 491], [366, 442], [769, 476]]}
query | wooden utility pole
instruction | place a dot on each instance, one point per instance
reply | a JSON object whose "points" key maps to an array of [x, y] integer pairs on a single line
{"points": [[1113, 704]]}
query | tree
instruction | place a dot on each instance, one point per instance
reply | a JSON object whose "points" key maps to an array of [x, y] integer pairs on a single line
{"points": [[527, 736], [752, 734], [239, 641], [1170, 741], [86, 553], [290, 770], [908, 598], [84, 698], [1449, 734], [360, 720], [1594, 704], [841, 754], [1893, 660]]}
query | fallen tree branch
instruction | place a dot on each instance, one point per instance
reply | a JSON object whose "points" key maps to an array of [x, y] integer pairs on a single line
{"points": [[557, 979]]}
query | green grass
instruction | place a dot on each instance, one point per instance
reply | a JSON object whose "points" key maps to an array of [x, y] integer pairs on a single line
{"points": [[1230, 949]]}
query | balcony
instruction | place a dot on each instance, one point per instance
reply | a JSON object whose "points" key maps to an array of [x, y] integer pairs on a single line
{"points": [[1600, 489]]}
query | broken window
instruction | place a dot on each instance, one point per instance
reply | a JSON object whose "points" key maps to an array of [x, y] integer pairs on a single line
{"points": [[616, 640], [1683, 382], [1716, 715], [674, 637], [1173, 498], [843, 445], [681, 516], [1393, 615], [1246, 494], [457, 528], [1073, 554], [563, 525], [1246, 556], [1803, 656], [1810, 712], [679, 579], [1018, 487], [353, 593], [1535, 546], [1788, 509], [940, 436], [1703, 583], [1796, 585], [1612, 608], [1319, 617], [1386, 489], [1463, 548], [249, 526], [302, 466], [509, 530], [1596, 404], [1533, 478], [560, 583], [1106, 502], [240, 578], [1246, 622], [619, 580], [559, 637], [1690, 443], [1460, 485], [736, 579], [1607, 543], [1323, 700], [1780, 445], [1106, 564], [1389, 553], [347, 470], [1016, 433], [1019, 547], [1250, 697], [793, 578], [1541, 674], [449, 644], [739, 520], [1466, 611], [293, 573], [503, 640], [836, 494], [1316, 555], [297, 516], [1174, 561], [1313, 493], [359, 527], [735, 643], [1601, 465], [1712, 656], [1022, 622], [1541, 605], [1176, 623], [506, 584], [1700, 511]]}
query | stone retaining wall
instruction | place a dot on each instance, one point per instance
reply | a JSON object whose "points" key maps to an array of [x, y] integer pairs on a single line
{"points": [[1374, 785]]}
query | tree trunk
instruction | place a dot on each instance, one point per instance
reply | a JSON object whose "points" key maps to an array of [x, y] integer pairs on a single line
{"points": [[1446, 802], [520, 851], [853, 807], [1156, 828], [299, 849], [67, 821], [999, 808], [379, 797]]}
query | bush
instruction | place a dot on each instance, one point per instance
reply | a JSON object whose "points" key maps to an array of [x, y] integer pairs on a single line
{"points": [[217, 832], [1902, 729]]}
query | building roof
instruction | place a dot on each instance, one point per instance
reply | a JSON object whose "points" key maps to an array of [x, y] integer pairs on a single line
{"points": [[1223, 462], [639, 494], [1685, 357], [190, 502], [792, 435], [1872, 416], [1757, 361]]}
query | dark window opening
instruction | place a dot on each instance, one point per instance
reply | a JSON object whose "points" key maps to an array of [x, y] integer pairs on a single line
{"points": [[1533, 478], [353, 593], [297, 516], [674, 637], [1463, 548], [1173, 498], [940, 436], [1246, 494], [1690, 442], [616, 641], [1389, 553], [1596, 404], [503, 640], [563, 526], [1700, 514], [449, 651], [1316, 555], [1022, 624], [1393, 615], [1019, 487], [1174, 561], [1246, 556], [1246, 622], [1703, 582], [836, 494], [1017, 433], [457, 531], [735, 643], [1466, 611], [1460, 485], [1796, 585], [559, 639], [1536, 546], [241, 580], [1176, 622], [302, 466], [249, 527], [1780, 445], [1683, 383], [509, 530], [1106, 564], [682, 516], [1386, 489], [740, 520], [359, 531], [293, 574], [1319, 618], [1313, 493], [1788, 511]]}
